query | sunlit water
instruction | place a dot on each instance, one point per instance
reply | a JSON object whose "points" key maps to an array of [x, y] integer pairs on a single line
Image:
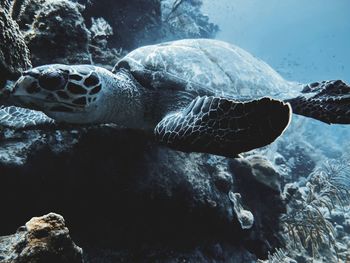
{"points": [[304, 41]]}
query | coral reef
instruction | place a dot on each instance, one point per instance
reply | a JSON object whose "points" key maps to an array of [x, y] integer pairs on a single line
{"points": [[245, 217], [141, 22], [27, 10], [184, 19], [86, 32], [14, 54], [42, 239], [147, 194], [146, 202], [99, 48], [69, 41], [253, 191], [264, 172], [58, 34], [314, 224]]}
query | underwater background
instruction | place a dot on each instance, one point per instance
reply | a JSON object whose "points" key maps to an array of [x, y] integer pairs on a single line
{"points": [[123, 197], [304, 41]]}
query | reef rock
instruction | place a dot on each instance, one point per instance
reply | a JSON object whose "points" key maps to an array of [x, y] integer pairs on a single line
{"points": [[184, 19], [101, 52], [141, 22], [58, 33], [26, 11], [263, 171], [259, 186], [148, 194], [245, 217], [69, 32], [14, 54], [42, 239]]}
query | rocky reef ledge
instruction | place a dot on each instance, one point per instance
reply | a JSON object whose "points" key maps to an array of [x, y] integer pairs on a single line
{"points": [[127, 199], [41, 239]]}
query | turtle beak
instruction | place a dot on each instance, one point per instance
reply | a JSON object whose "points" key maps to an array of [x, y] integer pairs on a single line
{"points": [[24, 91], [23, 84], [9, 95], [5, 95], [26, 85]]}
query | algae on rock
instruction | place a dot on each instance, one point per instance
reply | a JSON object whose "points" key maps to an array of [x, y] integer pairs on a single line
{"points": [[14, 54], [42, 239]]}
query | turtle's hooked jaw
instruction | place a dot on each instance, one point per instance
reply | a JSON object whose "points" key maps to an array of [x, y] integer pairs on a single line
{"points": [[58, 90], [27, 93], [38, 90]]}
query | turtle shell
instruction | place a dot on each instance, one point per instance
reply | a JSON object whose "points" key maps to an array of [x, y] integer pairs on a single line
{"points": [[206, 66]]}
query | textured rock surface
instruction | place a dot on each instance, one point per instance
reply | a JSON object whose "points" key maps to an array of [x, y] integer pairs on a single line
{"points": [[70, 41], [42, 239], [101, 52], [261, 199], [245, 217], [148, 195], [210, 252], [142, 22], [58, 34], [263, 172], [65, 31], [14, 54], [27, 11]]}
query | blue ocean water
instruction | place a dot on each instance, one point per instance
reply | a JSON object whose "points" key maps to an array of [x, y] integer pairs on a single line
{"points": [[304, 41]]}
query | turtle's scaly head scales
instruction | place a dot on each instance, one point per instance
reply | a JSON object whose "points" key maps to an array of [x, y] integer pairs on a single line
{"points": [[58, 88]]}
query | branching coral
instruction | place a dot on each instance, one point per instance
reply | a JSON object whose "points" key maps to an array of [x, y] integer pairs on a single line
{"points": [[337, 174], [305, 223], [279, 256], [175, 6]]}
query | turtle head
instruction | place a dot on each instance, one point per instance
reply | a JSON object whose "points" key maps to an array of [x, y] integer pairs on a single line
{"points": [[65, 93]]}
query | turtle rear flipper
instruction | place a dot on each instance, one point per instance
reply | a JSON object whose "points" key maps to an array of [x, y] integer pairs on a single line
{"points": [[327, 101], [224, 127], [21, 118]]}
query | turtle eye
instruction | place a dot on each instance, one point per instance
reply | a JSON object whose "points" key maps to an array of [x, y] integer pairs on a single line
{"points": [[52, 80]]}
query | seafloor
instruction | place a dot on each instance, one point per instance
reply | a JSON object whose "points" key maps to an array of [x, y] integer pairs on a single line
{"points": [[123, 197]]}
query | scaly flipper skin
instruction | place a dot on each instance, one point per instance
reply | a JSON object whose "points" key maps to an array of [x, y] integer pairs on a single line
{"points": [[21, 118], [327, 101], [224, 127]]}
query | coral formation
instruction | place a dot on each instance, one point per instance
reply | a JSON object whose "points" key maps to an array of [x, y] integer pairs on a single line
{"points": [[177, 194], [312, 224], [86, 32], [184, 19], [14, 54], [42, 239], [245, 217], [141, 22], [58, 34], [26, 13]]}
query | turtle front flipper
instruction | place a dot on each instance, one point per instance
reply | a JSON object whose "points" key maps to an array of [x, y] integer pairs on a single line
{"points": [[327, 101], [21, 118], [224, 127]]}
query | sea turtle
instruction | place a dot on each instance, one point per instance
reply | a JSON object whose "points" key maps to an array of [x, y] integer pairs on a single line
{"points": [[194, 95]]}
